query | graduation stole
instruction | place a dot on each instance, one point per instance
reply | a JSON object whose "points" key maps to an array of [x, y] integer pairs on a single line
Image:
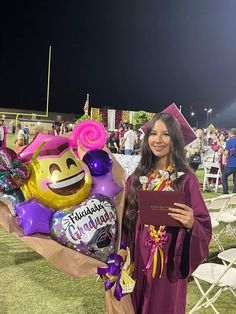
{"points": [[157, 238]]}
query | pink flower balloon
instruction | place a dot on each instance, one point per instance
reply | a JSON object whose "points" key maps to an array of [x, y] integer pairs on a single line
{"points": [[90, 133]]}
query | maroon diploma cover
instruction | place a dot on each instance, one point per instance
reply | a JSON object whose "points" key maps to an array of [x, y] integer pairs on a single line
{"points": [[154, 207]]}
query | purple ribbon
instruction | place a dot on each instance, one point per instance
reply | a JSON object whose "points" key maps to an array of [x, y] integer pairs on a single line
{"points": [[115, 264]]}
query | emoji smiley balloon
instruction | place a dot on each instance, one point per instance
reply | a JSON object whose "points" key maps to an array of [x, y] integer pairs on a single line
{"points": [[58, 178]]}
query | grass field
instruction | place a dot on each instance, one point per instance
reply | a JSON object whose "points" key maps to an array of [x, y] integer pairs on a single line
{"points": [[31, 285]]}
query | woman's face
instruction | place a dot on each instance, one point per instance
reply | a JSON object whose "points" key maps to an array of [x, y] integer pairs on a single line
{"points": [[222, 137], [159, 140], [214, 137], [199, 134]]}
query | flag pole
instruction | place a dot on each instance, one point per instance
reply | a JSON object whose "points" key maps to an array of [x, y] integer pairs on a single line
{"points": [[86, 105], [48, 82], [88, 99]]}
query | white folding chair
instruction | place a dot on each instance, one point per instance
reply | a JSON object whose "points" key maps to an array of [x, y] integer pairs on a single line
{"points": [[209, 154], [225, 214], [232, 209], [218, 203], [207, 174], [220, 276], [208, 202], [227, 256], [128, 162], [232, 203], [215, 236], [214, 224]]}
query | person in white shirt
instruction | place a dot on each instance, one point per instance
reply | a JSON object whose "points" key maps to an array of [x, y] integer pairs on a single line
{"points": [[1, 134], [130, 138], [20, 139]]}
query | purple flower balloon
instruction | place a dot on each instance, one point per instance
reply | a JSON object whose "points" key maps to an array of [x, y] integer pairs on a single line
{"points": [[98, 161], [34, 217], [105, 185]]}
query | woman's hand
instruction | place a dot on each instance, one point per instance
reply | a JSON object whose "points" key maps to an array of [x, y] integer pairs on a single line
{"points": [[183, 214]]}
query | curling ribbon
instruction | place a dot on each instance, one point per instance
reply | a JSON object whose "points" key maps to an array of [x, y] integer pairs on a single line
{"points": [[156, 242], [153, 258]]}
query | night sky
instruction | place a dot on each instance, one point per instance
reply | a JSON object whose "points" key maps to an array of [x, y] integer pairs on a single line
{"points": [[127, 54]]}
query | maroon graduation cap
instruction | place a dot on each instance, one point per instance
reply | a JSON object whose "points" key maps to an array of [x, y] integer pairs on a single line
{"points": [[187, 131]]}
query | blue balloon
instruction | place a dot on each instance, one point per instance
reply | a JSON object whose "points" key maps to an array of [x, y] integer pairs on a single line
{"points": [[98, 161]]}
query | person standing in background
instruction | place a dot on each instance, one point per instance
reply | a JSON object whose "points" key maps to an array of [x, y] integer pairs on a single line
{"points": [[121, 132], [230, 167], [1, 135], [113, 143], [196, 148], [129, 140], [222, 143], [4, 144], [63, 128], [27, 134], [20, 139]]}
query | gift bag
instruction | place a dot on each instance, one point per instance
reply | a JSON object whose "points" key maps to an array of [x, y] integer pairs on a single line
{"points": [[124, 306]]}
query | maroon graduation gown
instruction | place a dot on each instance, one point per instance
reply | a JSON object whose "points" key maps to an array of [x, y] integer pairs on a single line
{"points": [[185, 250]]}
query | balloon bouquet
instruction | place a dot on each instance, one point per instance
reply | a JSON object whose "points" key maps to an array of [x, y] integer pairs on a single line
{"points": [[53, 191], [13, 174]]}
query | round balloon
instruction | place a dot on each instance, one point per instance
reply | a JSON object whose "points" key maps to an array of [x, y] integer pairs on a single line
{"points": [[90, 228], [98, 161], [58, 178]]}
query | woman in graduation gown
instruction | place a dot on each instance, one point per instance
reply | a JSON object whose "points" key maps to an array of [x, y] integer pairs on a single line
{"points": [[164, 257]]}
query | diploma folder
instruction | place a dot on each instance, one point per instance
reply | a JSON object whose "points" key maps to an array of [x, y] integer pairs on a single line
{"points": [[154, 207]]}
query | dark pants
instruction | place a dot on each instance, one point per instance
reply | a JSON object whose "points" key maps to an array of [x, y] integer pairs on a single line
{"points": [[227, 172], [194, 166]]}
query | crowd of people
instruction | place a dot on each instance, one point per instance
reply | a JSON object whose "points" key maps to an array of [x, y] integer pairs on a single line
{"points": [[125, 140], [210, 145], [218, 145], [3, 134], [59, 128], [23, 133]]}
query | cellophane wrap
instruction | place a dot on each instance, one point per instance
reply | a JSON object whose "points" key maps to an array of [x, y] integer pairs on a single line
{"points": [[67, 260]]}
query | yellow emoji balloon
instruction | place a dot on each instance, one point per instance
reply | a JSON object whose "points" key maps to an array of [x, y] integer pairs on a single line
{"points": [[58, 178]]}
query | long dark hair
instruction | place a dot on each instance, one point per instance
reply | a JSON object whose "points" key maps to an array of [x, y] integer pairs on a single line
{"points": [[147, 165]]}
